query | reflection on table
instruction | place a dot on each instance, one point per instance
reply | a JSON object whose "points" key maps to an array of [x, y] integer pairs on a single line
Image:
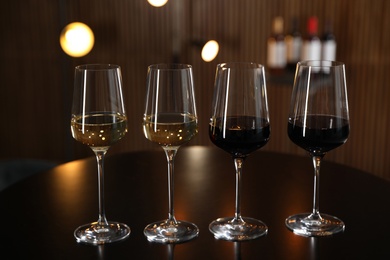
{"points": [[40, 213]]}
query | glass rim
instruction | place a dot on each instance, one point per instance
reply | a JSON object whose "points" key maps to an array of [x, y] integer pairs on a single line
{"points": [[240, 64], [97, 66], [320, 63], [170, 66]]}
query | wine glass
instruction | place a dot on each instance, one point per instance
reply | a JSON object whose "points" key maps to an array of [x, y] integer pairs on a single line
{"points": [[239, 125], [170, 121], [99, 120], [318, 122]]}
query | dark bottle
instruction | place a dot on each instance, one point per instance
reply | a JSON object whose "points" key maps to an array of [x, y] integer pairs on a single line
{"points": [[276, 47], [311, 47], [293, 45], [328, 42]]}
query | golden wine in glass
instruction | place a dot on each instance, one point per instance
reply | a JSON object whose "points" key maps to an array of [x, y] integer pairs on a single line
{"points": [[99, 121], [170, 121]]}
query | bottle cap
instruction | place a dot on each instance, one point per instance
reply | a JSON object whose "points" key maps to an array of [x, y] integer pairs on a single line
{"points": [[278, 25], [312, 25]]}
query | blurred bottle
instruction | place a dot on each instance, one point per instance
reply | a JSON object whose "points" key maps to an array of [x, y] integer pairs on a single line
{"points": [[311, 47], [293, 45], [276, 48], [328, 41]]}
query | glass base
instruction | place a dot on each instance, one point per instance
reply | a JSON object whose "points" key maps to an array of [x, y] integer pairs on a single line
{"points": [[309, 225], [165, 231], [95, 234], [237, 230]]}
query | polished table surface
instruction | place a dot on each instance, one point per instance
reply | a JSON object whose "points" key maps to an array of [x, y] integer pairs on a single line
{"points": [[39, 214]]}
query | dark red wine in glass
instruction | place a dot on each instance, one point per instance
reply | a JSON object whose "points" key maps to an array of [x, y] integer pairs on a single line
{"points": [[318, 122], [239, 125], [243, 136], [321, 134]]}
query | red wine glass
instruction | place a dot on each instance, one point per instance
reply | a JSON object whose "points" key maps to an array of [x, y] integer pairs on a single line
{"points": [[239, 125], [318, 122]]}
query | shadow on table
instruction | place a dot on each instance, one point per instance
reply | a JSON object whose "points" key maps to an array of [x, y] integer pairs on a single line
{"points": [[14, 170]]}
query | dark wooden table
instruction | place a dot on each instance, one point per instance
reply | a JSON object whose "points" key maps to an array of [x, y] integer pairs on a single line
{"points": [[38, 215]]}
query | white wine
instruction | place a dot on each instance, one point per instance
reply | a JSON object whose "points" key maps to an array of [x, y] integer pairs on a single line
{"points": [[170, 129], [99, 130]]}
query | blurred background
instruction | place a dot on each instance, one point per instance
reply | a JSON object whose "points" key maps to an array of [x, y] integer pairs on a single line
{"points": [[37, 75]]}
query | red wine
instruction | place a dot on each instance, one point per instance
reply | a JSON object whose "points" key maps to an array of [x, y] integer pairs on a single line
{"points": [[239, 136], [321, 134]]}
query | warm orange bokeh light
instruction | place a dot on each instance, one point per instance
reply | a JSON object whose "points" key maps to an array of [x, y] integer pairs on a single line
{"points": [[77, 39], [210, 50]]}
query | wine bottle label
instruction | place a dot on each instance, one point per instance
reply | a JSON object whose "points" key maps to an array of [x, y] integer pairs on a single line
{"points": [[293, 48], [329, 50], [311, 50], [276, 56]]}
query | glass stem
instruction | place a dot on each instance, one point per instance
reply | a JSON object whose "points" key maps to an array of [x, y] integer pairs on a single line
{"points": [[170, 154], [316, 194], [238, 163], [100, 163], [171, 249]]}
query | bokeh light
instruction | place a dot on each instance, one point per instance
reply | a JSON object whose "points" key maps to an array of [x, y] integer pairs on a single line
{"points": [[210, 51], [77, 39], [158, 3]]}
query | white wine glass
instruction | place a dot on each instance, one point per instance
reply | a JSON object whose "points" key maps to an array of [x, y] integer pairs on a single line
{"points": [[170, 121], [99, 120], [239, 125], [318, 122]]}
